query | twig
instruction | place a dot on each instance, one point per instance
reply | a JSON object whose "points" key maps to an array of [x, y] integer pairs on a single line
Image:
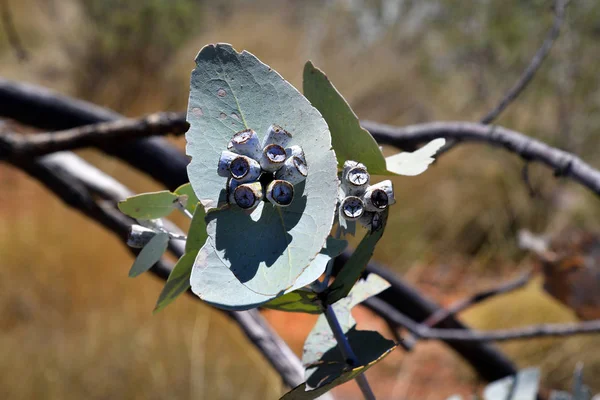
{"points": [[347, 351], [562, 162], [461, 335], [527, 75], [11, 33], [534, 64], [489, 362], [463, 304], [15, 146]]}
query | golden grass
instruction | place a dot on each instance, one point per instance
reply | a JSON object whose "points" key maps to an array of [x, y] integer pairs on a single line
{"points": [[74, 326]]}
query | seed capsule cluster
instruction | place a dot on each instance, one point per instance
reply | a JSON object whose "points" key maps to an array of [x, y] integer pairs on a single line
{"points": [[247, 159], [360, 201]]}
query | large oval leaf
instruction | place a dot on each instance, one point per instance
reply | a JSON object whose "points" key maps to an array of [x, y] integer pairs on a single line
{"points": [[269, 249]]}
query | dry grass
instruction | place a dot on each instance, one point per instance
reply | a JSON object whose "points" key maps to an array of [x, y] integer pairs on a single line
{"points": [[74, 326]]}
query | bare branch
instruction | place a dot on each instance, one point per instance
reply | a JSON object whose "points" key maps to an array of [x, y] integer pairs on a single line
{"points": [[15, 146], [477, 298], [403, 299], [534, 65], [562, 162], [527, 75], [461, 335]]}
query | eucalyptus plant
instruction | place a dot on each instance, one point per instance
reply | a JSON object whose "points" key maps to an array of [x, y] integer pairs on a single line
{"points": [[278, 179]]}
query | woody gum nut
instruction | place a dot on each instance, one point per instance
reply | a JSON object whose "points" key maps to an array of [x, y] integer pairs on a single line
{"points": [[244, 169], [380, 195], [295, 151], [294, 170], [226, 158], [277, 135], [352, 208], [356, 180], [272, 158], [246, 143], [280, 193], [247, 195], [139, 236]]}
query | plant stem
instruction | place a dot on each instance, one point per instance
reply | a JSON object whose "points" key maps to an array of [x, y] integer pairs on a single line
{"points": [[347, 352]]}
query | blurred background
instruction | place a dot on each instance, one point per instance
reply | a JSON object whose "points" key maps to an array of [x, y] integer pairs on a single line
{"points": [[73, 325]]}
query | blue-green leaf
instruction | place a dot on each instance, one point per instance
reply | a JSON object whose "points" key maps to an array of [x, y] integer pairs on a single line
{"points": [[179, 278], [305, 301], [324, 363], [150, 254], [296, 301], [178, 282], [254, 258], [522, 387], [411, 164], [303, 391], [149, 205]]}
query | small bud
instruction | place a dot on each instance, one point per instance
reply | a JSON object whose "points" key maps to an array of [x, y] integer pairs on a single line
{"points": [[355, 178], [244, 169], [246, 143], [352, 208], [272, 158], [294, 170], [139, 236], [277, 135], [245, 195], [280, 193], [379, 196]]}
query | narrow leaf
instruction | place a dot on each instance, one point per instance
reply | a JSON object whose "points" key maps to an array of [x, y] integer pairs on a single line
{"points": [[149, 205], [324, 363], [192, 199], [301, 392], [350, 141], [197, 233], [178, 282], [297, 301], [355, 265], [414, 163], [150, 254]]}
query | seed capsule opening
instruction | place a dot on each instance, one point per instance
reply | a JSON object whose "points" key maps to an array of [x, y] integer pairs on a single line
{"points": [[352, 208], [239, 167], [273, 157], [246, 143], [379, 199], [280, 193], [243, 136], [300, 165], [247, 195], [358, 176]]}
